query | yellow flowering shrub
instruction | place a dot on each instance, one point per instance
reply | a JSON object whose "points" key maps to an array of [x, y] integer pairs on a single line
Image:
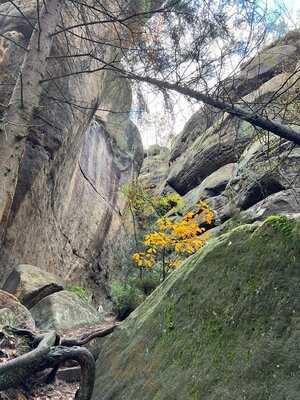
{"points": [[174, 240]]}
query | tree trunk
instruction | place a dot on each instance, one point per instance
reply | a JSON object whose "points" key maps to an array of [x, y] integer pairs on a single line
{"points": [[24, 102], [283, 131]]}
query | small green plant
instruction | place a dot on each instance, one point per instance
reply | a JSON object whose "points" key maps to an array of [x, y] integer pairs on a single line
{"points": [[169, 317], [126, 298], [81, 292]]}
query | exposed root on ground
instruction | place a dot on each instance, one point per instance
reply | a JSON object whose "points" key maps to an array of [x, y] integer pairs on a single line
{"points": [[49, 351]]}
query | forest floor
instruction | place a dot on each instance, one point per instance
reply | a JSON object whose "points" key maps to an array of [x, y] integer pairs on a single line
{"points": [[37, 389]]}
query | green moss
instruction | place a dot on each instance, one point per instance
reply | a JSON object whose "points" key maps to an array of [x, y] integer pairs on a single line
{"points": [[232, 223], [169, 317], [224, 326], [281, 224]]}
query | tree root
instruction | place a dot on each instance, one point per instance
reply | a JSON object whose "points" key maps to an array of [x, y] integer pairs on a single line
{"points": [[16, 371], [49, 351]]}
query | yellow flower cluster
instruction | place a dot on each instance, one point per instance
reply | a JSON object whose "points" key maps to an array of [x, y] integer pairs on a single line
{"points": [[174, 264], [164, 223], [144, 260], [190, 245], [160, 239], [186, 229], [207, 213]]}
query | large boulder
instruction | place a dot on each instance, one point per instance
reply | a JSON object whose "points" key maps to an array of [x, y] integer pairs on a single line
{"points": [[267, 166], [31, 284], [211, 190], [286, 202], [13, 313], [198, 123], [213, 185], [64, 311], [219, 145], [279, 57], [269, 82], [266, 64], [224, 326]]}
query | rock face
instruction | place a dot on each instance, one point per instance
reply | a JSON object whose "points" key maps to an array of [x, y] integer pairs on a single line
{"points": [[223, 326], [264, 168], [219, 145], [63, 311], [30, 284], [227, 162], [211, 187], [13, 313], [155, 168], [198, 123], [67, 211], [221, 141], [285, 202]]}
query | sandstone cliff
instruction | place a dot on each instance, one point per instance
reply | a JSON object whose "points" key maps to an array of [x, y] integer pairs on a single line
{"points": [[223, 326], [240, 170], [67, 211]]}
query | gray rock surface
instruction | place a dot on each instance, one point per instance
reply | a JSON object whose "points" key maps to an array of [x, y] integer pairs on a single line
{"points": [[219, 145], [265, 168], [286, 202], [203, 148], [13, 313], [195, 126], [64, 311], [211, 186], [155, 168], [30, 284]]}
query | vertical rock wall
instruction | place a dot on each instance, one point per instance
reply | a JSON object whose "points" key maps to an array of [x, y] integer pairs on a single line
{"points": [[67, 211]]}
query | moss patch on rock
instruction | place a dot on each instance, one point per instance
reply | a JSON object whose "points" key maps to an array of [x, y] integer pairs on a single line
{"points": [[225, 326]]}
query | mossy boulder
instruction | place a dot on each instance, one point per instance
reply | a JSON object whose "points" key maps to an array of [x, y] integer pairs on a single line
{"points": [[224, 326]]}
